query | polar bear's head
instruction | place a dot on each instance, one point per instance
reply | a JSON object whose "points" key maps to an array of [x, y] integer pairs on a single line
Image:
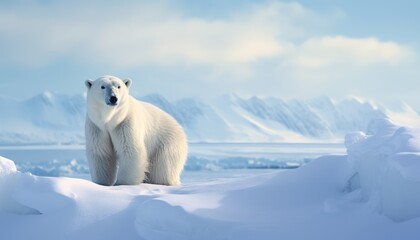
{"points": [[108, 90]]}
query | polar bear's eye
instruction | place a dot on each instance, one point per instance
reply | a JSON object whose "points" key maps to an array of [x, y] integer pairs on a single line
{"points": [[119, 86], [102, 87]]}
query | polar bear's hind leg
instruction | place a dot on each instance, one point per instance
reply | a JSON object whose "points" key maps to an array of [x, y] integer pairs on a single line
{"points": [[167, 163]]}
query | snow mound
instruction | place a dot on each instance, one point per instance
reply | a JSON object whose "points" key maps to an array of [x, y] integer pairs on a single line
{"points": [[371, 193], [387, 165], [6, 166]]}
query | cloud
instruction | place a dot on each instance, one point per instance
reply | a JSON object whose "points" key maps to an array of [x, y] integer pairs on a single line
{"points": [[269, 48], [189, 41], [141, 33], [132, 36], [335, 50]]}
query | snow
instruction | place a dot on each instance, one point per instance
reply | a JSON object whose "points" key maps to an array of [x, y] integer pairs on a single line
{"points": [[6, 166], [388, 167], [372, 192]]}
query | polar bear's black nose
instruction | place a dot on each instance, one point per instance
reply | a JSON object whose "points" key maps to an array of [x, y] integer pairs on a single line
{"points": [[113, 100]]}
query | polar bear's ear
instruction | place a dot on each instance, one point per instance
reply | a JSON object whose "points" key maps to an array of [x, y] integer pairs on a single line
{"points": [[88, 83], [127, 82]]}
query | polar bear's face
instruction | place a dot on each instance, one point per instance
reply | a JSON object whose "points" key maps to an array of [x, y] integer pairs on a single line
{"points": [[108, 90]]}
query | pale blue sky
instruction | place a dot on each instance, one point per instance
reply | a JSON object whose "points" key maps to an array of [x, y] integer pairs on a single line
{"points": [[181, 48]]}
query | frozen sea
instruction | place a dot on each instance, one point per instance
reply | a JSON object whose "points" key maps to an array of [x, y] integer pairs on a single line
{"points": [[206, 161]]}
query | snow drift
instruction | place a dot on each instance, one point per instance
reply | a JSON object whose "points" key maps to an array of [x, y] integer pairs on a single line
{"points": [[371, 193], [387, 168], [59, 119]]}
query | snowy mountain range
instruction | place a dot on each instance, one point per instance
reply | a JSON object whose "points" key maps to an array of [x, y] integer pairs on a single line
{"points": [[51, 118]]}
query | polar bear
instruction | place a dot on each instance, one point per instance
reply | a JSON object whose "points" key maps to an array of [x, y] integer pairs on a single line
{"points": [[128, 141]]}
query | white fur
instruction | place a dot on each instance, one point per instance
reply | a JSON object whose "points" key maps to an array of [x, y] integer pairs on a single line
{"points": [[130, 142]]}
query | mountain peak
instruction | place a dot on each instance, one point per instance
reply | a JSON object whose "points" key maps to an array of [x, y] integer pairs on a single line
{"points": [[229, 118], [361, 101], [45, 98]]}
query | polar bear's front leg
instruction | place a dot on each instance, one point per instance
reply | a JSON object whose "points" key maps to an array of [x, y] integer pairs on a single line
{"points": [[131, 155], [101, 155]]}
